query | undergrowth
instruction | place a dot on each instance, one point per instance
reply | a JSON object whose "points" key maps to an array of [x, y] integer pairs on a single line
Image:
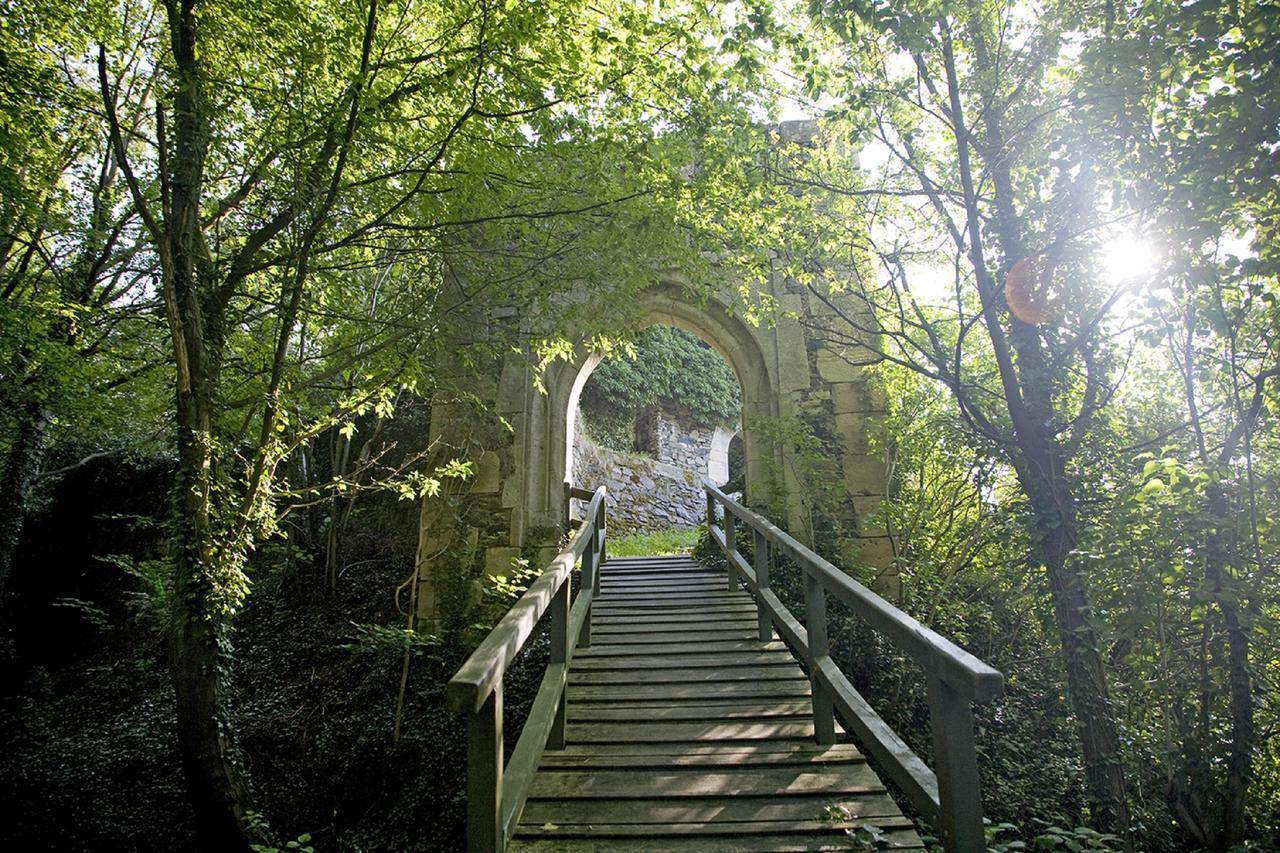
{"points": [[661, 543]]}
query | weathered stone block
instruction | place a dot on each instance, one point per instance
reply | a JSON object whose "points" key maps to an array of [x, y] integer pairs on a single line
{"points": [[866, 506], [863, 475], [851, 429], [849, 397], [876, 550], [834, 364], [497, 561], [793, 358], [488, 470]]}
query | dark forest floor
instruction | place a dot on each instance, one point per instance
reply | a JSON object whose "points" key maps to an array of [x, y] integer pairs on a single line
{"points": [[88, 756]]}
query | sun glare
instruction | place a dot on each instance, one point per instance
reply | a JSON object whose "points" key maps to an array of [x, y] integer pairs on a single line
{"points": [[1126, 259]]}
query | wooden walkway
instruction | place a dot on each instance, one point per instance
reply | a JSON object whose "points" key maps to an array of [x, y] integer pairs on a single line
{"points": [[685, 732]]}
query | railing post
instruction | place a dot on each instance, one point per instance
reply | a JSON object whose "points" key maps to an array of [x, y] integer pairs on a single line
{"points": [[711, 511], [815, 617], [484, 776], [590, 586], [568, 502], [596, 548], [559, 655], [600, 532], [760, 549], [731, 548], [956, 766]]}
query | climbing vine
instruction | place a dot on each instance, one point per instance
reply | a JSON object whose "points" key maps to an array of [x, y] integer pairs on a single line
{"points": [[663, 365]]}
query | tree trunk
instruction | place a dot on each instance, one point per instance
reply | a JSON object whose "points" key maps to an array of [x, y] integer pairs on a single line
{"points": [[1086, 676], [208, 583], [1231, 831], [1028, 384]]}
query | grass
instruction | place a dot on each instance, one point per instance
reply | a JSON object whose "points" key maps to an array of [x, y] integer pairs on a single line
{"points": [[675, 540]]}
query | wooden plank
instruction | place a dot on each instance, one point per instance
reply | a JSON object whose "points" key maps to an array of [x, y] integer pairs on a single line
{"points": [[702, 646], [624, 622], [899, 839], [665, 575], [671, 587], [615, 829], [659, 611], [695, 748], [689, 599], [680, 676], [727, 756], [712, 730], [675, 580], [612, 569], [754, 781], [689, 635], [694, 711], [686, 661], [676, 588], [646, 812], [708, 602], [783, 689], [694, 571]]}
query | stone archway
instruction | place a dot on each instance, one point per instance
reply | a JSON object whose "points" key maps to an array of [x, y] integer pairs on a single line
{"points": [[718, 458], [792, 370], [714, 323]]}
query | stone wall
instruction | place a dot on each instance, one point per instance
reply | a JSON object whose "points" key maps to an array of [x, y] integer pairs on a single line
{"points": [[681, 442], [644, 494], [647, 493]]}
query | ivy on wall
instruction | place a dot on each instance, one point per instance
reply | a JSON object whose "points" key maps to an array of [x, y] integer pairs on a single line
{"points": [[665, 365]]}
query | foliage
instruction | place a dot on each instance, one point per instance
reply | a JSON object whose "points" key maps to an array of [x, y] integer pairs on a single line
{"points": [[811, 459], [677, 540], [610, 427], [315, 222], [374, 639], [663, 365]]}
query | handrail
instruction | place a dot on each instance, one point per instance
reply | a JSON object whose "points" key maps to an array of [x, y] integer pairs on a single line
{"points": [[955, 679], [571, 493], [497, 790]]}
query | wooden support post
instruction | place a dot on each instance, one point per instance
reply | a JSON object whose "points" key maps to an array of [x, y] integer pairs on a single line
{"points": [[711, 511], [589, 586], [596, 550], [761, 559], [559, 655], [584, 633], [567, 515], [956, 766], [484, 776], [600, 531], [731, 548], [815, 618]]}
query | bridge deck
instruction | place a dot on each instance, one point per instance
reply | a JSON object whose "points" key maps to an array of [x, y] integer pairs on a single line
{"points": [[686, 732]]}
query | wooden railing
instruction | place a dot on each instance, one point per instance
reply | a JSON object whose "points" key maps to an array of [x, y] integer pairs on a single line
{"points": [[496, 791], [955, 679]]}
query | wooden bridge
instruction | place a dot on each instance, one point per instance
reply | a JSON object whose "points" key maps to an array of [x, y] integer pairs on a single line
{"points": [[672, 717]]}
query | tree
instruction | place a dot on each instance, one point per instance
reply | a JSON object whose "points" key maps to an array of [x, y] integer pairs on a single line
{"points": [[985, 179], [323, 190], [74, 329], [1184, 97]]}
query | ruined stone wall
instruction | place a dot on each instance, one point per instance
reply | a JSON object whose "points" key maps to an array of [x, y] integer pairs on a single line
{"points": [[681, 442], [648, 494]]}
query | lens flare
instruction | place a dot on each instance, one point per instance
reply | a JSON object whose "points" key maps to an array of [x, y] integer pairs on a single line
{"points": [[1126, 259]]}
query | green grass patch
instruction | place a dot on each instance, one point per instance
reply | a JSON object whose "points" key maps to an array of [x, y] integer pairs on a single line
{"points": [[676, 540]]}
